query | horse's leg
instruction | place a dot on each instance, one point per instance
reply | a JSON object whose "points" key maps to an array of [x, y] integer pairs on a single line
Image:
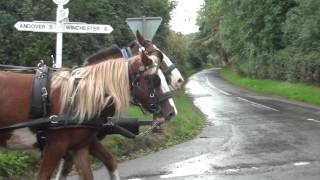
{"points": [[81, 159], [52, 154], [97, 150], [64, 167]]}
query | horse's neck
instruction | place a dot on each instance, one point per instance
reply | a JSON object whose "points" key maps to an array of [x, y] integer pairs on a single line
{"points": [[15, 94], [12, 79]]}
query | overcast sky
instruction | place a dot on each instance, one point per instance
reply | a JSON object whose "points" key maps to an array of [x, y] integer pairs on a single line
{"points": [[185, 15]]}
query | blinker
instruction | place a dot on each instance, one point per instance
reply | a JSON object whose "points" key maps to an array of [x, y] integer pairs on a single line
{"points": [[153, 80]]}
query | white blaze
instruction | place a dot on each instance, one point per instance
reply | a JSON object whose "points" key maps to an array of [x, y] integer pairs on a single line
{"points": [[175, 75], [165, 89]]}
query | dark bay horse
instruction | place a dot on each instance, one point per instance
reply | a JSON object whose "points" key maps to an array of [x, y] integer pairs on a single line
{"points": [[173, 77], [103, 87]]}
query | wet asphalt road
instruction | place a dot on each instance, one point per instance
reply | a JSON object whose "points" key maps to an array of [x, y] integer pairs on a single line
{"points": [[249, 136]]}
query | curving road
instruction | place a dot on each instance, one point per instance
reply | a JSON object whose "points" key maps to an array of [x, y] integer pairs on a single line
{"points": [[249, 136]]}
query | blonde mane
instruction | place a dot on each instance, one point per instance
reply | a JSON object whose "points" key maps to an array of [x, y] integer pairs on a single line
{"points": [[99, 85]]}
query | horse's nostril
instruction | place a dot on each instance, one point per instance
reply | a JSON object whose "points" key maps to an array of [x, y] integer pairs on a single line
{"points": [[172, 114], [180, 80]]}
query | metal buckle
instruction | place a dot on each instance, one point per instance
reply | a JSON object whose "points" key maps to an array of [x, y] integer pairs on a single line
{"points": [[52, 121], [44, 92]]}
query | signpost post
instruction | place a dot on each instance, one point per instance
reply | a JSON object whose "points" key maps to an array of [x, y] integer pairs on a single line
{"points": [[147, 26], [60, 26]]}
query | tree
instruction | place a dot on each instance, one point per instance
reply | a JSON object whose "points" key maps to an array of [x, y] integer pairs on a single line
{"points": [[27, 48], [275, 39]]}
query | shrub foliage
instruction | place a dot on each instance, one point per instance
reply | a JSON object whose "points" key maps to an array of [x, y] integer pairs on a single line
{"points": [[274, 39]]}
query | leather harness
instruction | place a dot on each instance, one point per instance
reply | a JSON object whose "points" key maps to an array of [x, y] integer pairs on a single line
{"points": [[40, 92], [40, 105]]}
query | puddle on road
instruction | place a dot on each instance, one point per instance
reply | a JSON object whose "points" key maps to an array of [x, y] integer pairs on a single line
{"points": [[194, 88], [206, 106], [194, 166], [199, 165], [202, 98]]}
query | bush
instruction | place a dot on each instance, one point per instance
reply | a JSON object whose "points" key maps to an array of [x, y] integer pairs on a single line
{"points": [[16, 164]]}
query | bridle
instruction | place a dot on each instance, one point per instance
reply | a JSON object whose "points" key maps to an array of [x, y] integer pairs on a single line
{"points": [[154, 82], [167, 72], [127, 53]]}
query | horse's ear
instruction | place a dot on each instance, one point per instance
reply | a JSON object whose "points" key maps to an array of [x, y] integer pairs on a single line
{"points": [[139, 37], [145, 59]]}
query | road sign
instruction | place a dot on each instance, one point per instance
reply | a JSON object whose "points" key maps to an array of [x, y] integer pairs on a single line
{"points": [[148, 26], [70, 27], [62, 14], [60, 26], [87, 28], [36, 26], [61, 2]]}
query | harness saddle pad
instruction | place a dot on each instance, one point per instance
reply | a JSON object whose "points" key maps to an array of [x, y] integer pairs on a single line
{"points": [[40, 93]]}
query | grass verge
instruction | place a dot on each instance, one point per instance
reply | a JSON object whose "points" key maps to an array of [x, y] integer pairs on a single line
{"points": [[23, 165], [184, 126], [300, 92]]}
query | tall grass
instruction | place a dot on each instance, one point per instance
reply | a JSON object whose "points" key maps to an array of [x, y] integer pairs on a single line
{"points": [[299, 92], [184, 126]]}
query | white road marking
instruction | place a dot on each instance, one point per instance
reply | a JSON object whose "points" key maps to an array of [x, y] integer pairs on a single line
{"points": [[59, 175], [232, 170], [214, 87], [314, 120], [243, 99], [257, 104], [135, 179], [301, 163]]}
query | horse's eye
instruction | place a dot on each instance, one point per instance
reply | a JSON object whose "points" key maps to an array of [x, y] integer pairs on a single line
{"points": [[153, 80]]}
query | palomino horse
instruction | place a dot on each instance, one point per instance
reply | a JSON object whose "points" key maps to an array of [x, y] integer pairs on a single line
{"points": [[173, 77], [101, 88]]}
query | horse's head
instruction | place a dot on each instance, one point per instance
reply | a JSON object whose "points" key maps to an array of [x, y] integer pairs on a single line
{"points": [[172, 74], [149, 88]]}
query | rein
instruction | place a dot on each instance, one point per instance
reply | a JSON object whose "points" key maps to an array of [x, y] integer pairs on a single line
{"points": [[17, 68], [22, 68], [128, 127]]}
